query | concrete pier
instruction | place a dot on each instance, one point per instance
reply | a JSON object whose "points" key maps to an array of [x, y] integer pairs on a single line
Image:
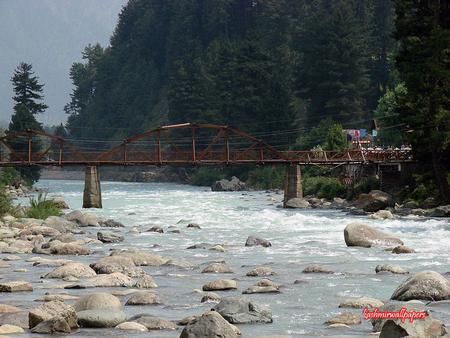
{"points": [[92, 197], [292, 183]]}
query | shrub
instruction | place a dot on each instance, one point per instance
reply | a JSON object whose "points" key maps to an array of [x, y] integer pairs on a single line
{"points": [[323, 187], [8, 176], [42, 208], [207, 176], [266, 177], [6, 206], [365, 185]]}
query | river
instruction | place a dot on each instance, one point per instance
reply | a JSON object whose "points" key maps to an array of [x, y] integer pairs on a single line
{"points": [[299, 238]]}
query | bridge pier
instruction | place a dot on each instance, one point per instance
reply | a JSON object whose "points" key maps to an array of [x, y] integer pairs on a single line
{"points": [[292, 183], [92, 196]]}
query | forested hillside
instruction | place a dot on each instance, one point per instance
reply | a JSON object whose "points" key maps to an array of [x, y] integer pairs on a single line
{"points": [[264, 66]]}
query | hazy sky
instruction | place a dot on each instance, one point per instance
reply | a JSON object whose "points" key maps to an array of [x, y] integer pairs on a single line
{"points": [[50, 34]]}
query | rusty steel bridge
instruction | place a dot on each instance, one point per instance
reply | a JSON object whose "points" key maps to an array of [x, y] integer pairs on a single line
{"points": [[182, 144]]}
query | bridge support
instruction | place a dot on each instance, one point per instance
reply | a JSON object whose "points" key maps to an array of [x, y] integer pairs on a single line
{"points": [[292, 183], [92, 197]]}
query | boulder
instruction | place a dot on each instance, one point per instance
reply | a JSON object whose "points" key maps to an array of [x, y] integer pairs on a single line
{"points": [[145, 282], [131, 326], [346, 318], [221, 284], [75, 269], [156, 228], [209, 324], [40, 230], [390, 268], [60, 202], [52, 325], [240, 310], [441, 211], [261, 271], [315, 268], [218, 248], [69, 249], [101, 318], [7, 328], [143, 298], [359, 303], [4, 308], [142, 258], [193, 226], [360, 234], [60, 223], [210, 297], [112, 280], [200, 246], [374, 201], [411, 205], [297, 203], [110, 223], [430, 202], [98, 301], [229, 185], [261, 289], [117, 263], [402, 249], [424, 285], [16, 286], [267, 282], [17, 319], [254, 241], [50, 310], [382, 214], [153, 323], [109, 237], [217, 268]]}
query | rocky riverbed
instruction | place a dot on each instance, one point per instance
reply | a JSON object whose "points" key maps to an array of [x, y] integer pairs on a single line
{"points": [[159, 256]]}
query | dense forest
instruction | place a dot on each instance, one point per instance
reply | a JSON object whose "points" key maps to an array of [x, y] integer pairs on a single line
{"points": [[265, 66]]}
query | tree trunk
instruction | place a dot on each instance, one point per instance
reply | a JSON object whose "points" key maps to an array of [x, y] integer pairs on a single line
{"points": [[440, 174]]}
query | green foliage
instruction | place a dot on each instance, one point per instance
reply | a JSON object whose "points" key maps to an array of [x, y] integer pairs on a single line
{"points": [[266, 177], [8, 176], [336, 138], [315, 137], [41, 208], [6, 206], [364, 186], [206, 176], [323, 187]]}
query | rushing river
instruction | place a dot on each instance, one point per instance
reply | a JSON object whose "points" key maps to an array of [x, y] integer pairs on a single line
{"points": [[299, 238]]}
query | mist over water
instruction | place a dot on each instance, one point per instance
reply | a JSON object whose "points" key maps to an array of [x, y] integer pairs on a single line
{"points": [[299, 238]]}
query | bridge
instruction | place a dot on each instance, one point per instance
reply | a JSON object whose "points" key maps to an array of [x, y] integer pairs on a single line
{"points": [[185, 144]]}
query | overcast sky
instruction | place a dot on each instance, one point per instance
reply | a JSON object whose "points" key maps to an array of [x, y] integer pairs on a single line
{"points": [[50, 34]]}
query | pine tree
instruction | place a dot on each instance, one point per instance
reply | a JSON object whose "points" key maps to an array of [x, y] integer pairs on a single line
{"points": [[423, 30], [28, 93]]}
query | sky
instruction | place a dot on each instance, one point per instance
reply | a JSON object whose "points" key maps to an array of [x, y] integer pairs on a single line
{"points": [[50, 34]]}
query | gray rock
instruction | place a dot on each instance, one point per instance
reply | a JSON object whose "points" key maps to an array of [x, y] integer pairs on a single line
{"points": [[221, 284], [254, 241], [424, 285], [382, 214], [209, 324], [210, 297], [74, 269], [346, 318], [390, 268], [50, 310], [411, 205], [441, 211], [109, 237], [315, 268], [374, 201], [217, 268], [360, 234], [402, 249], [153, 323], [156, 229], [229, 185], [261, 289], [193, 226], [53, 325], [110, 223], [60, 223], [131, 326], [101, 318], [117, 263], [143, 298], [98, 301], [69, 249], [16, 286], [240, 310], [359, 303], [60, 202], [260, 271], [297, 203]]}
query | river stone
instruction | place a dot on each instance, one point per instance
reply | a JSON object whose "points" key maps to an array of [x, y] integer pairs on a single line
{"points": [[229, 185], [382, 214], [200, 246], [69, 249], [59, 223], [260, 271], [142, 258], [143, 298], [131, 326], [209, 324], [218, 248], [118, 263], [402, 249], [153, 323], [52, 309], [374, 201], [112, 280], [221, 284], [315, 268], [6, 328], [267, 282], [145, 282], [75, 269], [193, 226], [52, 325], [210, 297], [261, 289], [109, 237], [101, 318], [360, 234], [390, 268], [82, 219], [40, 230], [240, 310], [424, 285], [156, 228], [110, 223], [346, 318], [61, 297], [11, 258], [297, 203], [359, 303], [179, 263], [98, 301], [254, 241], [217, 268], [4, 308], [16, 286]]}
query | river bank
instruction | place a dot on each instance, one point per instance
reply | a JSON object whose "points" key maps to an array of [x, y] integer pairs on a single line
{"points": [[299, 238]]}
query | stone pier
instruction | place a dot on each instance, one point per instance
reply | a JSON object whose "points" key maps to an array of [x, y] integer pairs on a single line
{"points": [[92, 197], [292, 183]]}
